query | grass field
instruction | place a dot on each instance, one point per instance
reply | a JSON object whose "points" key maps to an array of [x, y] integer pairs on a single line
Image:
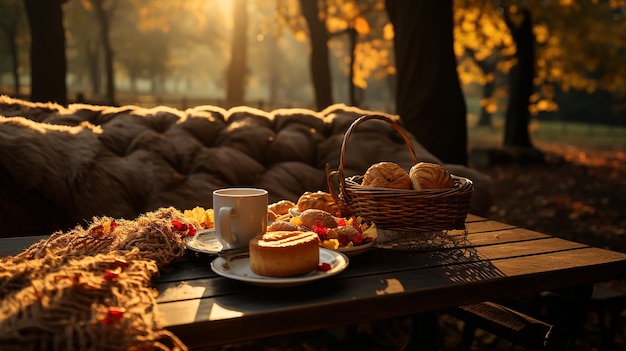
{"points": [[593, 136]]}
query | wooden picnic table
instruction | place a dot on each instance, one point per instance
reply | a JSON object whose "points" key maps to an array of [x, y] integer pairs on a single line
{"points": [[490, 260]]}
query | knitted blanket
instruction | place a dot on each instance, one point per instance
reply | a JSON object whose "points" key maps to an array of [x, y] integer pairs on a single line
{"points": [[90, 289]]}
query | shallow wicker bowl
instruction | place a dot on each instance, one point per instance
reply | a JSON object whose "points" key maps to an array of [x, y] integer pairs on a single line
{"points": [[411, 210], [402, 210]]}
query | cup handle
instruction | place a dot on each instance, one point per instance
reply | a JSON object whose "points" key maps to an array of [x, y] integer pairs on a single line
{"points": [[224, 225]]}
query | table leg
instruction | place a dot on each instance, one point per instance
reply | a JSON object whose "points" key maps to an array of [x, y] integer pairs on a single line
{"points": [[425, 332]]}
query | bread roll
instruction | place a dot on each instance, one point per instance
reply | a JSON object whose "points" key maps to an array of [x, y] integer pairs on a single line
{"points": [[320, 201], [284, 253], [387, 175], [426, 175]]}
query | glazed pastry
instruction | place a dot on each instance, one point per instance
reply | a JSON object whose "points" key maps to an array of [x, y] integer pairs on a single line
{"points": [[387, 175], [284, 253], [281, 207], [426, 175], [281, 226], [318, 200], [310, 217], [271, 216]]}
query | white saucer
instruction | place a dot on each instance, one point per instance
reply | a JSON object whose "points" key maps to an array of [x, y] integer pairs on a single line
{"points": [[205, 241], [238, 268], [356, 250]]}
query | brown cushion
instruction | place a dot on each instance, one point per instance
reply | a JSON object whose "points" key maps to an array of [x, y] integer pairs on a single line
{"points": [[70, 164]]}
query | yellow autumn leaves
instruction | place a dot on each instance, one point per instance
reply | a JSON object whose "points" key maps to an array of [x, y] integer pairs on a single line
{"points": [[203, 217]]}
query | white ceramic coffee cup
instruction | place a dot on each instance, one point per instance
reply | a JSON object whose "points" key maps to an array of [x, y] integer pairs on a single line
{"points": [[240, 215]]}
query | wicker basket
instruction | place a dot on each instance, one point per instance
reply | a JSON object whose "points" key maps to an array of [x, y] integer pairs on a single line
{"points": [[401, 210]]}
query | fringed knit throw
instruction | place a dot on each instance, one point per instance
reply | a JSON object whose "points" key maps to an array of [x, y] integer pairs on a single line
{"points": [[90, 289]]}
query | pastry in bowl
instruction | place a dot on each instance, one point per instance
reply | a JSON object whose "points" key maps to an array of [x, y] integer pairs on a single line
{"points": [[281, 207], [318, 200], [284, 253]]}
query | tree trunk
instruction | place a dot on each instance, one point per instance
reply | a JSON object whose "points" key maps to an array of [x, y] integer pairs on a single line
{"points": [[104, 20], [352, 37], [484, 120], [429, 98], [13, 16], [14, 59], [521, 83], [47, 51], [320, 66], [237, 70], [93, 64], [488, 66], [133, 82], [489, 88], [274, 57]]}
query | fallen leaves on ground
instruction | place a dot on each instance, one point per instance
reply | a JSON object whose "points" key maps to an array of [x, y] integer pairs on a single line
{"points": [[576, 194]]}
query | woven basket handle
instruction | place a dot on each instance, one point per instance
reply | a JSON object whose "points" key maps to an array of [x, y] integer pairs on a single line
{"points": [[342, 179]]}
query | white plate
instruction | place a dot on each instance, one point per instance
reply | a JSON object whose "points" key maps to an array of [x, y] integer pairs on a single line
{"points": [[205, 241], [238, 268], [356, 250]]}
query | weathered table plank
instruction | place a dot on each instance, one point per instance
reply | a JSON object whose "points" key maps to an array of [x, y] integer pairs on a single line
{"points": [[382, 295]]}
